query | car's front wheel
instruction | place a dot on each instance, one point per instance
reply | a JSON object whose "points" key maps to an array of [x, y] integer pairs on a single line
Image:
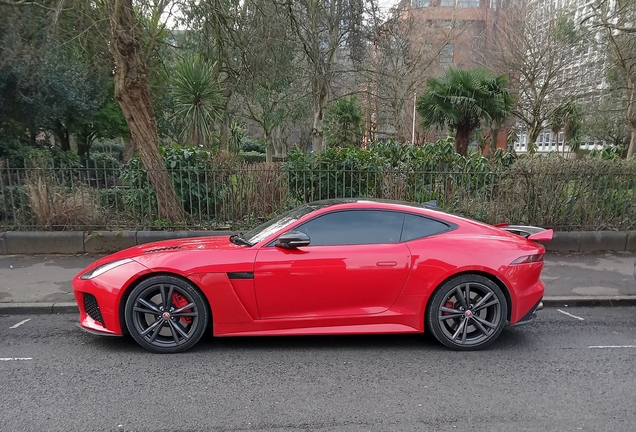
{"points": [[467, 312], [165, 314]]}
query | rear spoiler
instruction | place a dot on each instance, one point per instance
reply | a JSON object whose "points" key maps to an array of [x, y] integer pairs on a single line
{"points": [[530, 232]]}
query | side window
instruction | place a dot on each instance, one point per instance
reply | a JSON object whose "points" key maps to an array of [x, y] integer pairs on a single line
{"points": [[417, 227], [354, 227]]}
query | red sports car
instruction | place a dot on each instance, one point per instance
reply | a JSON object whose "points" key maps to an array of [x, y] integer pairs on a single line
{"points": [[340, 266]]}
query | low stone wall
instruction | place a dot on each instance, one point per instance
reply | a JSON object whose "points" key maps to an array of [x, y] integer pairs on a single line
{"points": [[101, 242], [95, 242]]}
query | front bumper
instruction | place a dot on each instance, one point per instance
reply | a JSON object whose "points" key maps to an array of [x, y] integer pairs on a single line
{"points": [[99, 299]]}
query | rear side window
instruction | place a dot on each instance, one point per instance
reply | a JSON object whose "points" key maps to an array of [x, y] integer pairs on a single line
{"points": [[418, 226]]}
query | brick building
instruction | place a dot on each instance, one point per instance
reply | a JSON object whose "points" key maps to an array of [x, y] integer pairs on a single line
{"points": [[455, 33]]}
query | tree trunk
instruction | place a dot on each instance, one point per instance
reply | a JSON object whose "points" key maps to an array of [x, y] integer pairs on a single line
{"points": [[632, 141], [269, 146], [129, 149], [494, 137], [533, 134], [63, 136], [284, 135], [631, 117], [462, 139], [316, 132], [224, 137], [224, 127], [133, 95], [83, 146], [279, 143], [319, 98]]}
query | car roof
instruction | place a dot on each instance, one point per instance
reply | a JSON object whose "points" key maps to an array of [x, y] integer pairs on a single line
{"points": [[425, 209], [365, 201]]}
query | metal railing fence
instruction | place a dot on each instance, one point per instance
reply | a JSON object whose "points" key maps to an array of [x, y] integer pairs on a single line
{"points": [[114, 198]]}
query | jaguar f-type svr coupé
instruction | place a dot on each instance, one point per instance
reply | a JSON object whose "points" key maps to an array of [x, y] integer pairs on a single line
{"points": [[345, 266]]}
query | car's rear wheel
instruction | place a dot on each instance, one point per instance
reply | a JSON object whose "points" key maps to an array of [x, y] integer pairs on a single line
{"points": [[165, 314], [467, 312]]}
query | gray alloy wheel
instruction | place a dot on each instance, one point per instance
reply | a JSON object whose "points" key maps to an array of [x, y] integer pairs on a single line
{"points": [[467, 312], [165, 314]]}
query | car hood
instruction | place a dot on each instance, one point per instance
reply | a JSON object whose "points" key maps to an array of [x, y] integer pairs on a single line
{"points": [[167, 248]]}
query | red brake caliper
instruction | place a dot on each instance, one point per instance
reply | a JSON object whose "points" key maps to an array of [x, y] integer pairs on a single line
{"points": [[449, 304], [180, 301]]}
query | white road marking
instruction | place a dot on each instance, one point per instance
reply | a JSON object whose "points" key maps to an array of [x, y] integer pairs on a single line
{"points": [[15, 358], [570, 315], [20, 323], [612, 346]]}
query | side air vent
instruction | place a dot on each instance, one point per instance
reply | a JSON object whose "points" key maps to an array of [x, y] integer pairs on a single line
{"points": [[92, 308]]}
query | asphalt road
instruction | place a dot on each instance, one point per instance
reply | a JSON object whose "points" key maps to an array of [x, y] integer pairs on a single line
{"points": [[557, 374]]}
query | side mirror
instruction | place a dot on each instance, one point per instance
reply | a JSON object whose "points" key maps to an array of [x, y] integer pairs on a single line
{"points": [[293, 239]]}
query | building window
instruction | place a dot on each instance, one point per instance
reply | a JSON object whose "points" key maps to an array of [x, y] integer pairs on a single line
{"points": [[421, 3], [446, 56], [460, 3]]}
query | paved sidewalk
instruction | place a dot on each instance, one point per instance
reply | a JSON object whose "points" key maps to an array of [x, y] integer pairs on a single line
{"points": [[42, 283]]}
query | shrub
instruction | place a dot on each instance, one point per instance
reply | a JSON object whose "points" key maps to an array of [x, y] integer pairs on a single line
{"points": [[334, 173], [109, 146], [252, 145], [13, 202], [561, 193], [102, 170], [57, 208]]}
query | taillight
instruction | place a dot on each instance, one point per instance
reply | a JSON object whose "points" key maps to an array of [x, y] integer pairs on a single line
{"points": [[529, 259]]}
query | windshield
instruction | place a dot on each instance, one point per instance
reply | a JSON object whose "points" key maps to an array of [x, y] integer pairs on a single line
{"points": [[263, 231]]}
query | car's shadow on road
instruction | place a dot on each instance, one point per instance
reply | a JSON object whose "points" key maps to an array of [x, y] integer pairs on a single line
{"points": [[512, 338]]}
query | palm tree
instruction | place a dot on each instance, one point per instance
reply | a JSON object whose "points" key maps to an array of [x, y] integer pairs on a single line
{"points": [[343, 123], [572, 126], [569, 117], [462, 99], [199, 100], [555, 122]]}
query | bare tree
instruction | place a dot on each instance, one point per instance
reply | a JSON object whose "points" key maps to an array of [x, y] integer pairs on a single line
{"points": [[269, 87], [536, 48], [606, 122], [405, 51], [323, 28], [616, 21]]}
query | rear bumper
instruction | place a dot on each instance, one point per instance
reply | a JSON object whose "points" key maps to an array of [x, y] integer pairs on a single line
{"points": [[526, 302], [531, 315]]}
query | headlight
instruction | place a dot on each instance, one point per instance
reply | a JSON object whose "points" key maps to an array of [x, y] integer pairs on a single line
{"points": [[104, 268]]}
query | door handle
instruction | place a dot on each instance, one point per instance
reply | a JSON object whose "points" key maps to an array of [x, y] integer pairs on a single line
{"points": [[386, 263]]}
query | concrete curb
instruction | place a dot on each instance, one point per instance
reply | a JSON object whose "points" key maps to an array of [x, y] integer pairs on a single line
{"points": [[38, 308], [589, 301], [548, 302]]}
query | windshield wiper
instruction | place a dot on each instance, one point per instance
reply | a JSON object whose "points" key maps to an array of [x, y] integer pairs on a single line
{"points": [[238, 239]]}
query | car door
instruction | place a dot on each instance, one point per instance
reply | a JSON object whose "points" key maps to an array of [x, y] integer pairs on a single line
{"points": [[355, 265]]}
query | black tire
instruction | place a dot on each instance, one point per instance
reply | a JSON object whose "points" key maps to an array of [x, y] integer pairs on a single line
{"points": [[467, 312], [165, 314]]}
